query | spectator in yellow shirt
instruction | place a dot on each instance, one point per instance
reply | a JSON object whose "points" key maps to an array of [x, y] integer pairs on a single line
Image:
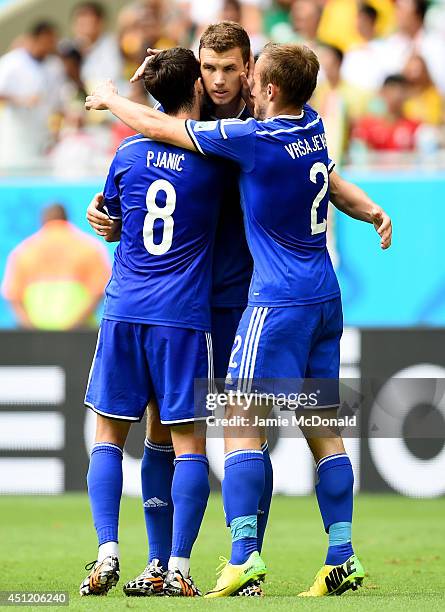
{"points": [[338, 23], [425, 104], [338, 102]]}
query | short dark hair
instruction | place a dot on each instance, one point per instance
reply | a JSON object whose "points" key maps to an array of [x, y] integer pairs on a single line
{"points": [[68, 50], [236, 4], [226, 35], [335, 51], [90, 7], [421, 7], [368, 10], [54, 212], [170, 77], [293, 68], [42, 27], [395, 79]]}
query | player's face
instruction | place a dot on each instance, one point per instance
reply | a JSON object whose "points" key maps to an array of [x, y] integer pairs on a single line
{"points": [[221, 74], [259, 94]]}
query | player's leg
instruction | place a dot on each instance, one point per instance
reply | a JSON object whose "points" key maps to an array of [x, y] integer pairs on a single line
{"points": [[334, 489], [244, 475], [190, 493], [177, 358], [118, 401], [225, 322], [157, 470]]}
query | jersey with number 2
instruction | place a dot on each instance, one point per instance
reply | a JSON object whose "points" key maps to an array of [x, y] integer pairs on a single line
{"points": [[284, 186], [162, 271]]}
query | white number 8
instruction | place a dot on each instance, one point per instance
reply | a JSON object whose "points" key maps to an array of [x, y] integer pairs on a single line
{"points": [[156, 212]]}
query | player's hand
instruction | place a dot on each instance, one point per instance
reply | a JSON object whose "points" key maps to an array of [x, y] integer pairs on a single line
{"points": [[99, 221], [247, 84], [137, 76], [383, 226], [101, 95]]}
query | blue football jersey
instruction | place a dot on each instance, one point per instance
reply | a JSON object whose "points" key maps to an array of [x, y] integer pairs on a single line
{"points": [[162, 271], [284, 185], [232, 261]]}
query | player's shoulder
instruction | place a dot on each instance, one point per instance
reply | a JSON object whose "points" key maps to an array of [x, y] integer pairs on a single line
{"points": [[238, 126], [289, 123], [133, 141]]}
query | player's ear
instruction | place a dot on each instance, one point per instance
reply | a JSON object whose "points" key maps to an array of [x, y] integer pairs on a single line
{"points": [[272, 91], [199, 87]]}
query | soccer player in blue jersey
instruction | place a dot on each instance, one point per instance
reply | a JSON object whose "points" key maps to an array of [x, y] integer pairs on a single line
{"points": [[225, 59], [293, 324], [154, 339]]}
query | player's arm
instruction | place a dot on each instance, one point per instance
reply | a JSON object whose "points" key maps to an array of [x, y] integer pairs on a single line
{"points": [[106, 228], [142, 119], [355, 203]]}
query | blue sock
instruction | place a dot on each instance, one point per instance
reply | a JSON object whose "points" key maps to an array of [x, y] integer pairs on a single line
{"points": [[104, 481], [335, 499], [190, 493], [266, 498], [157, 471], [242, 488]]}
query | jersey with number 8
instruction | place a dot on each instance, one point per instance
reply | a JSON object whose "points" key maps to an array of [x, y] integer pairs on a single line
{"points": [[284, 185], [168, 200]]}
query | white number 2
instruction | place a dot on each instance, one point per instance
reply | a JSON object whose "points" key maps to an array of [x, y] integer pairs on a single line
{"points": [[318, 168], [156, 212], [236, 347]]}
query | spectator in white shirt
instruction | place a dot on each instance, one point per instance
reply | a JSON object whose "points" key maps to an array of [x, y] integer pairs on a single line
{"points": [[30, 81], [100, 50], [361, 66], [412, 38]]}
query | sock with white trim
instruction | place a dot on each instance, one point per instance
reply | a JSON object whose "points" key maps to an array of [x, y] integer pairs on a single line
{"points": [[104, 481], [190, 493], [242, 488], [266, 498], [335, 500], [157, 469]]}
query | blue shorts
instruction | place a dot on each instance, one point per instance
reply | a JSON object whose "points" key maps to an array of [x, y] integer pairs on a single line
{"points": [[276, 348], [225, 322], [135, 362]]}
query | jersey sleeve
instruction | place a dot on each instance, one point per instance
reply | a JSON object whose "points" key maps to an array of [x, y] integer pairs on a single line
{"points": [[229, 138], [331, 165], [112, 203]]}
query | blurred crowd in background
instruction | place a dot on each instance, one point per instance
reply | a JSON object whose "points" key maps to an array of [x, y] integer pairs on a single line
{"points": [[381, 89]]}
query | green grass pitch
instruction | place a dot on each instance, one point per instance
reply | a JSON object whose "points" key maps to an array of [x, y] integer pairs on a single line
{"points": [[46, 541]]}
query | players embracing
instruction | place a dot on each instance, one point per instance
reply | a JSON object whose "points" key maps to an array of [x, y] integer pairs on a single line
{"points": [[293, 323]]}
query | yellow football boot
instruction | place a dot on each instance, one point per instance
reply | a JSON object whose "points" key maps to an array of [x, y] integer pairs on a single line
{"points": [[232, 577], [336, 579]]}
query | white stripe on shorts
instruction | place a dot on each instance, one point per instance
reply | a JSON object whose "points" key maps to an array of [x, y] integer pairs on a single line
{"points": [[250, 347], [210, 371], [255, 350], [92, 363], [246, 341]]}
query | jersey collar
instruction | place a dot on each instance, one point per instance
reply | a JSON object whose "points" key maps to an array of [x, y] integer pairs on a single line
{"points": [[288, 117]]}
